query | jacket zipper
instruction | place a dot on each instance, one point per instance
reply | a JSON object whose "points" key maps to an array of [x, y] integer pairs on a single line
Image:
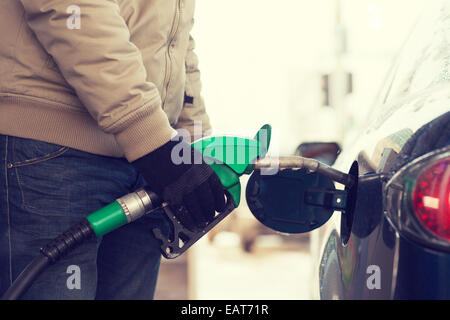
{"points": [[173, 33]]}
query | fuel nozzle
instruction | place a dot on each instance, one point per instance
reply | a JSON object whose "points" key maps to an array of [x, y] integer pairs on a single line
{"points": [[309, 164], [124, 210]]}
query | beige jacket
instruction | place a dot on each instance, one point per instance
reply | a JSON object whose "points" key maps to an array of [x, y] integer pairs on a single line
{"points": [[108, 77]]}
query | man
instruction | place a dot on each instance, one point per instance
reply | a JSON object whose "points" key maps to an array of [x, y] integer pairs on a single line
{"points": [[90, 95]]}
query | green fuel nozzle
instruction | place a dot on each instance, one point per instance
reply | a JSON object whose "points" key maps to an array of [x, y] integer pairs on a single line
{"points": [[229, 157], [124, 210]]}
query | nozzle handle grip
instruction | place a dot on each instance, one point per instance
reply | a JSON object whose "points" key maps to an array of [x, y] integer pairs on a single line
{"points": [[183, 238]]}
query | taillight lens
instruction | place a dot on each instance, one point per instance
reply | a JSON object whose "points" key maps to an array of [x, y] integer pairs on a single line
{"points": [[431, 198], [417, 200]]}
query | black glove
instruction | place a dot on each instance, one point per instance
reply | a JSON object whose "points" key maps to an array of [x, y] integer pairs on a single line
{"points": [[193, 191]]}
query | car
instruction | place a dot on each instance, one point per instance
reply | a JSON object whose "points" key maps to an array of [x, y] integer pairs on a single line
{"points": [[393, 239]]}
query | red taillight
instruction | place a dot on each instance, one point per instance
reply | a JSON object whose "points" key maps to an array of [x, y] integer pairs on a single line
{"points": [[431, 198]]}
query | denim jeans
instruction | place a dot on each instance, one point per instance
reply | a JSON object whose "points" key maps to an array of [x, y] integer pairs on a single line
{"points": [[47, 188]]}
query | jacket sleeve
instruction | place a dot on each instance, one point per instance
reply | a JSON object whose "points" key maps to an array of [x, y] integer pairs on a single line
{"points": [[193, 112], [105, 69]]}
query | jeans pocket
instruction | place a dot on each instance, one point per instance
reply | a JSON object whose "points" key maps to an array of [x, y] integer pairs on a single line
{"points": [[38, 168], [27, 152]]}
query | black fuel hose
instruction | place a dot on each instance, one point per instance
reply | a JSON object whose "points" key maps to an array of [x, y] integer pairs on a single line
{"points": [[27, 277], [49, 255]]}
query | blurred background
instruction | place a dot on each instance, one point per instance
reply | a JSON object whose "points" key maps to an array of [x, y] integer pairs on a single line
{"points": [[312, 69]]}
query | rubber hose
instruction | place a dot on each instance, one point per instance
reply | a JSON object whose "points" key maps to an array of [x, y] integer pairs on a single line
{"points": [[49, 254], [26, 278]]}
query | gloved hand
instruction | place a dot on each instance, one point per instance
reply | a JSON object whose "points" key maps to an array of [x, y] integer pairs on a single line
{"points": [[193, 191]]}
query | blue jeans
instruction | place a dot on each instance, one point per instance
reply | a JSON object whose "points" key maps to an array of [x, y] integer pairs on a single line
{"points": [[47, 188]]}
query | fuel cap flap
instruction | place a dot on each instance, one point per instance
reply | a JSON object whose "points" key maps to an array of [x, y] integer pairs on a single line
{"points": [[293, 201]]}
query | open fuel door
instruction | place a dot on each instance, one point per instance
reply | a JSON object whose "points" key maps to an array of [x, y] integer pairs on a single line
{"points": [[293, 201]]}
